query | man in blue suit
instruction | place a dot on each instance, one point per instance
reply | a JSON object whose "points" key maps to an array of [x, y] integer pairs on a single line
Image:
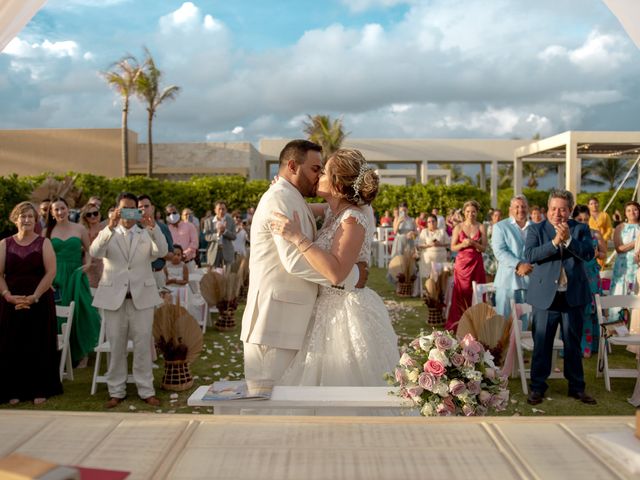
{"points": [[507, 242], [558, 292]]}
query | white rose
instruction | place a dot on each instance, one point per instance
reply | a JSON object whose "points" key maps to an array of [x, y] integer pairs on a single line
{"points": [[441, 389], [413, 375], [426, 343], [427, 410], [488, 359]]}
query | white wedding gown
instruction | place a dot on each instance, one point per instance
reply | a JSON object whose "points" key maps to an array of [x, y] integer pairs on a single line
{"points": [[350, 341]]}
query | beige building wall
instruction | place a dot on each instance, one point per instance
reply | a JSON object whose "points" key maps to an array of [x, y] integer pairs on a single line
{"points": [[183, 160], [32, 152]]}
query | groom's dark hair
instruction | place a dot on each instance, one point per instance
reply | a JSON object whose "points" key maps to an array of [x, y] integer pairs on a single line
{"points": [[296, 150]]}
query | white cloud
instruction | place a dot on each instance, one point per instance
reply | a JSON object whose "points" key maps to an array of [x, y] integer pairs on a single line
{"points": [[24, 49], [237, 130], [189, 19], [599, 53]]}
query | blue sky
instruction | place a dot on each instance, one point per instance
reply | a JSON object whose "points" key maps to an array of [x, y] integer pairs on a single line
{"points": [[390, 68]]}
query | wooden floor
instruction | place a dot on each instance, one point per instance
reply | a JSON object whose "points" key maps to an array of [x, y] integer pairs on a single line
{"points": [[270, 447]]}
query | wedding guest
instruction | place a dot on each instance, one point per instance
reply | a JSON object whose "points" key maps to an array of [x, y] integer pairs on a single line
{"points": [[90, 219], [242, 237], [536, 214], [598, 220], [591, 329], [386, 220], [208, 214], [177, 276], [558, 248], [145, 205], [71, 244], [188, 216], [128, 294], [469, 240], [432, 245], [453, 219], [404, 228], [183, 233], [421, 222], [28, 326], [220, 232], [616, 218], [43, 211], [442, 225], [624, 238], [512, 275]]}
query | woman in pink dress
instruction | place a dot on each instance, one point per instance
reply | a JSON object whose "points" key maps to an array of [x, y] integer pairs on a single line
{"points": [[469, 240]]}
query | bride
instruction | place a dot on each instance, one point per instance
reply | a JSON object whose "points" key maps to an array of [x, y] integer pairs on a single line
{"points": [[350, 340]]}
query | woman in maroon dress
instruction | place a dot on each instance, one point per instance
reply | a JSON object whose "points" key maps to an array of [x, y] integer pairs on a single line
{"points": [[28, 326], [469, 240]]}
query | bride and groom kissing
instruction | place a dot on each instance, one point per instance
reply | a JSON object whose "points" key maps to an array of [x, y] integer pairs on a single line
{"points": [[305, 322]]}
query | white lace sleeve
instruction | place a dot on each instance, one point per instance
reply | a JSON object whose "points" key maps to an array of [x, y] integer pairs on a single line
{"points": [[363, 219]]}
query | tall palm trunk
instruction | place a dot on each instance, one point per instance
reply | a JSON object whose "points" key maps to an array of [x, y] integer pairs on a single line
{"points": [[125, 136], [150, 145]]}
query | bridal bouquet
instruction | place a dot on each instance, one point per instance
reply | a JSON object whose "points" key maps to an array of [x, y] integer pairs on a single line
{"points": [[443, 376]]}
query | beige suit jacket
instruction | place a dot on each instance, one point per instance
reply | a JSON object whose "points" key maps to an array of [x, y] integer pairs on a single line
{"points": [[128, 268], [282, 285]]}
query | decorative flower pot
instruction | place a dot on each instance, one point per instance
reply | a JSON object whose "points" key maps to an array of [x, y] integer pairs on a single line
{"points": [[434, 316], [226, 320], [177, 376], [404, 289]]}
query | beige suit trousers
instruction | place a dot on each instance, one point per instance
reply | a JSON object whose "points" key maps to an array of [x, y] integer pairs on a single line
{"points": [[262, 362], [121, 325]]}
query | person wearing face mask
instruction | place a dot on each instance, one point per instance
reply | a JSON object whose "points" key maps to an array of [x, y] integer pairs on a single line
{"points": [[183, 233]]}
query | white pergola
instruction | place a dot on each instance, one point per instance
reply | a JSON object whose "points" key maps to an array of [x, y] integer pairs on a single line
{"points": [[569, 148]]}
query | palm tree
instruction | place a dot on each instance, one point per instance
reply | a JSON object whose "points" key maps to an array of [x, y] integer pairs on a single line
{"points": [[457, 176], [607, 171], [148, 90], [325, 132], [505, 176], [123, 78], [534, 171]]}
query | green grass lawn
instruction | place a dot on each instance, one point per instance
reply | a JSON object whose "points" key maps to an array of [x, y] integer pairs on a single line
{"points": [[221, 358]]}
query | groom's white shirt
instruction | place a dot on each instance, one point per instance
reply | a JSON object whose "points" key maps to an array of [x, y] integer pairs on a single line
{"points": [[282, 285]]}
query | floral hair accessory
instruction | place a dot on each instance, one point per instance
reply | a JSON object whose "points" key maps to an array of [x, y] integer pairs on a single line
{"points": [[357, 183]]}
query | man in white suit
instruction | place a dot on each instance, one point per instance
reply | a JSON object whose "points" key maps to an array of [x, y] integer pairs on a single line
{"points": [[128, 293], [282, 285], [507, 241]]}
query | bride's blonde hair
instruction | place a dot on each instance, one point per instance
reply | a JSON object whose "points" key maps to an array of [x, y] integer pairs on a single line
{"points": [[352, 178]]}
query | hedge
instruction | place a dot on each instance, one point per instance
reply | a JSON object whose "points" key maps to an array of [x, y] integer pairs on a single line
{"points": [[200, 194]]}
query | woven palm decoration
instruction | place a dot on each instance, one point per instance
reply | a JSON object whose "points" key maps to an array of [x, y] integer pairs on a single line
{"points": [[179, 337], [486, 326], [52, 188]]}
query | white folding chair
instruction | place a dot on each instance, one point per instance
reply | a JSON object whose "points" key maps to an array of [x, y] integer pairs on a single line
{"points": [[104, 348], [63, 340], [384, 247], [524, 341], [481, 291], [603, 304]]}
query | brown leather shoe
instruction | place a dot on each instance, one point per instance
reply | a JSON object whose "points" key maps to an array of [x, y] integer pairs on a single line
{"points": [[583, 397], [153, 401], [113, 402]]}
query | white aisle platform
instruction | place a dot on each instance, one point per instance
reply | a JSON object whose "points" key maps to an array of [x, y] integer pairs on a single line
{"points": [[159, 446]]}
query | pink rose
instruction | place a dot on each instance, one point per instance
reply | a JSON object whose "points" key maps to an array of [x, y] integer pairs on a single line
{"points": [[457, 387], [490, 373], [434, 367], [448, 401], [415, 344], [427, 381], [484, 397], [468, 411], [470, 343], [415, 392], [406, 360], [442, 410], [399, 376], [473, 387], [470, 357], [443, 343], [457, 360], [500, 400]]}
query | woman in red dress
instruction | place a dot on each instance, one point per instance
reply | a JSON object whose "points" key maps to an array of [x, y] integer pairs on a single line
{"points": [[469, 240]]}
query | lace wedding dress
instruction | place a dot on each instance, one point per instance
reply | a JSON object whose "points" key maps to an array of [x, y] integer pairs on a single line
{"points": [[350, 341]]}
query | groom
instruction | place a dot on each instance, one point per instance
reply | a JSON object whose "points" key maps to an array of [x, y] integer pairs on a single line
{"points": [[282, 285]]}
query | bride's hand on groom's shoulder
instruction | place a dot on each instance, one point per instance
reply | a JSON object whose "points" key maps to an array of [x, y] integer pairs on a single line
{"points": [[363, 270]]}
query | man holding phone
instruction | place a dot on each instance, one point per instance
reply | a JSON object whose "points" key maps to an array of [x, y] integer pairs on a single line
{"points": [[127, 293]]}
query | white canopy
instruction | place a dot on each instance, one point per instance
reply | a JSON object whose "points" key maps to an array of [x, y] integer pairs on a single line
{"points": [[14, 15]]}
